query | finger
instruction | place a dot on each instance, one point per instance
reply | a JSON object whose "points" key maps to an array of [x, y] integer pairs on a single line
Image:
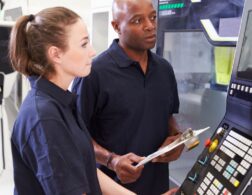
{"points": [[130, 169], [135, 158]]}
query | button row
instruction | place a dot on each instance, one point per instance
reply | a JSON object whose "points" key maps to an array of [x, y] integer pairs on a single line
{"points": [[241, 138], [237, 143], [234, 148], [239, 87], [206, 182]]}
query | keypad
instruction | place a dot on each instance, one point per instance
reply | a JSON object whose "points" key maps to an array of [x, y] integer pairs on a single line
{"points": [[232, 161]]}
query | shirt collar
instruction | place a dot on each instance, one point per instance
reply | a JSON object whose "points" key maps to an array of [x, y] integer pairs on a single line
{"points": [[117, 53], [64, 97], [121, 58]]}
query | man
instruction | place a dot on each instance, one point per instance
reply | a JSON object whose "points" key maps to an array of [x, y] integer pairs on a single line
{"points": [[128, 101]]}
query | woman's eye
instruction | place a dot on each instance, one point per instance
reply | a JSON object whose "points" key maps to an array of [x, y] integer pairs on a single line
{"points": [[84, 45]]}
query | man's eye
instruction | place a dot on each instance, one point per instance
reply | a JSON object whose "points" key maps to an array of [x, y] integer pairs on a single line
{"points": [[137, 21], [153, 17]]}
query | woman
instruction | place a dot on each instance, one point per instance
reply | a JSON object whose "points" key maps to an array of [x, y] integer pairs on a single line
{"points": [[51, 148]]}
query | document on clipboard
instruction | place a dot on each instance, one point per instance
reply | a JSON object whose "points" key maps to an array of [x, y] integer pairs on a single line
{"points": [[184, 137]]}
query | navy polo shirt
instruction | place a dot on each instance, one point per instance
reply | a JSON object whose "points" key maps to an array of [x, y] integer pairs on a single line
{"points": [[52, 150], [128, 111]]}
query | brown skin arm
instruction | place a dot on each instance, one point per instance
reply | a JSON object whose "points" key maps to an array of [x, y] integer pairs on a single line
{"points": [[122, 165], [173, 135]]}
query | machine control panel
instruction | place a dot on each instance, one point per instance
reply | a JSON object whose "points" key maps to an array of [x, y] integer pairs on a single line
{"points": [[228, 166], [222, 166]]}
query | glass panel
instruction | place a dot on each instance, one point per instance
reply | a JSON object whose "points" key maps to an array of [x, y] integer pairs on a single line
{"points": [[245, 63], [203, 73]]}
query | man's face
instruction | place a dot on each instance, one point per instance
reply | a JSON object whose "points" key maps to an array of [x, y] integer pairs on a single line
{"points": [[137, 25]]}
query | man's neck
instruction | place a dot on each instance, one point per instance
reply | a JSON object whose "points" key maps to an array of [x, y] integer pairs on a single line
{"points": [[140, 56]]}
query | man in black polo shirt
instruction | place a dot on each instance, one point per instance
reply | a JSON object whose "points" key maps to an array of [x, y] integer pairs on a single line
{"points": [[128, 101]]}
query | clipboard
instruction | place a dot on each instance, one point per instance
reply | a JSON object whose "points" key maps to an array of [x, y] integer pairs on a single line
{"points": [[184, 137]]}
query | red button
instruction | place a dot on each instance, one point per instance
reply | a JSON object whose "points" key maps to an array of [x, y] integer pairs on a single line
{"points": [[208, 142]]}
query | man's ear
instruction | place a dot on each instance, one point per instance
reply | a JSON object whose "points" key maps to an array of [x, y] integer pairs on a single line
{"points": [[116, 26], [54, 54]]}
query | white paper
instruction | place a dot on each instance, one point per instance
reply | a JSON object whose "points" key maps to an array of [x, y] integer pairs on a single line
{"points": [[181, 140]]}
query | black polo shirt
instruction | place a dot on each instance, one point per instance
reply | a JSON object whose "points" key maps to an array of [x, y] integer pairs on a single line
{"points": [[52, 151], [128, 111]]}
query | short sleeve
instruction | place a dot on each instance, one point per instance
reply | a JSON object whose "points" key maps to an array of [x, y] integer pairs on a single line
{"points": [[56, 160]]}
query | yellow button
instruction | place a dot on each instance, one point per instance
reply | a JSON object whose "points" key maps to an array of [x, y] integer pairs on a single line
{"points": [[213, 145], [236, 183]]}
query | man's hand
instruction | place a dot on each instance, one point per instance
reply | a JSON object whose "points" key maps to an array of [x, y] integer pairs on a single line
{"points": [[171, 192], [124, 166], [173, 154]]}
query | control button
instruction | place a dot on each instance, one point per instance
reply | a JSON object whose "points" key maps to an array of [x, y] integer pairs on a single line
{"points": [[250, 90], [218, 167], [222, 162], [242, 88], [235, 182], [209, 192], [213, 162], [227, 151], [213, 146], [250, 152], [214, 189], [234, 148], [248, 158], [238, 87], [237, 143], [246, 89], [203, 160], [193, 178], [208, 142], [233, 163], [203, 186], [230, 169], [207, 181], [226, 175], [245, 164], [226, 192], [221, 131], [241, 138], [241, 170], [210, 176], [200, 191], [231, 92]]}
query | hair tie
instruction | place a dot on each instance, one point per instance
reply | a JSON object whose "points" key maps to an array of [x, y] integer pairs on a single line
{"points": [[31, 17]]}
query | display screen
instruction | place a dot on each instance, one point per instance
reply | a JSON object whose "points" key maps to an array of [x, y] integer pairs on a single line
{"points": [[172, 8], [245, 62]]}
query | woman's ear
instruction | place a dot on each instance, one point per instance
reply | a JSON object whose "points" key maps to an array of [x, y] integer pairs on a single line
{"points": [[54, 54]]}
